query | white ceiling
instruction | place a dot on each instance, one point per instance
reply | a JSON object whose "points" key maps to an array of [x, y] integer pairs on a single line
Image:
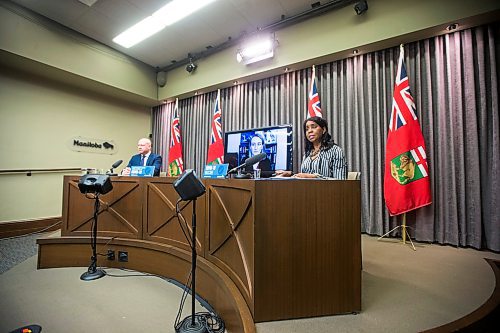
{"points": [[210, 26]]}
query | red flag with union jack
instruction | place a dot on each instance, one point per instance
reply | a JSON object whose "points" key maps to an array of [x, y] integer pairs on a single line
{"points": [[406, 180], [314, 105], [216, 147], [175, 163]]}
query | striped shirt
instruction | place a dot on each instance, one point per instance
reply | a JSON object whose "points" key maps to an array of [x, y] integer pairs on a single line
{"points": [[330, 163]]}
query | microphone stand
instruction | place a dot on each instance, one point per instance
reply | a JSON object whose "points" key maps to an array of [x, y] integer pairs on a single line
{"points": [[93, 273], [249, 161], [111, 173], [115, 165], [240, 175], [194, 325]]}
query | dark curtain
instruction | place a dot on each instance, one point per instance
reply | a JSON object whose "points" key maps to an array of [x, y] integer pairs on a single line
{"points": [[453, 79]]}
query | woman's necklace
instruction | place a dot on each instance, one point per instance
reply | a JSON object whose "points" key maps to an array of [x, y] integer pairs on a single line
{"points": [[314, 153]]}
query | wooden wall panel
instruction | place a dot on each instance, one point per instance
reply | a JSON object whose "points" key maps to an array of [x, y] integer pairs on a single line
{"points": [[230, 212], [116, 218], [160, 220]]}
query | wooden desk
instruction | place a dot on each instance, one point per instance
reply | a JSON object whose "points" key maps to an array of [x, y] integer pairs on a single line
{"points": [[268, 249]]}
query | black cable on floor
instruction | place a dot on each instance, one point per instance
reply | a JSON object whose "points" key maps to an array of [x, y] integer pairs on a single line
{"points": [[210, 320]]}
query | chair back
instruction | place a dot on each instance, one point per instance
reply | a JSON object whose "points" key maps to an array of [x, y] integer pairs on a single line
{"points": [[354, 175]]}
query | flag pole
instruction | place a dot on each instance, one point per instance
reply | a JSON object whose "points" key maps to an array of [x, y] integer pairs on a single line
{"points": [[405, 232], [403, 226]]}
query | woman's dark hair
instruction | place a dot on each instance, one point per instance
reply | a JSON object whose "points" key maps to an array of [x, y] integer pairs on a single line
{"points": [[326, 139]]}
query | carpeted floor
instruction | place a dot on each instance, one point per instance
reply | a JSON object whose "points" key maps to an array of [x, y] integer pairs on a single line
{"points": [[403, 291], [16, 250]]}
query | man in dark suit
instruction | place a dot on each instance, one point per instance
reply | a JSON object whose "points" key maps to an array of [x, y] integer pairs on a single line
{"points": [[144, 158]]}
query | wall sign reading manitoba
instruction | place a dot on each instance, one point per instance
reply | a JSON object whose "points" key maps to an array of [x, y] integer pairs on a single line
{"points": [[89, 145]]}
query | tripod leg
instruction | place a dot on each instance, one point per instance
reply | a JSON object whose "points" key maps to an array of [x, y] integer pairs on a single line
{"points": [[413, 246], [388, 232]]}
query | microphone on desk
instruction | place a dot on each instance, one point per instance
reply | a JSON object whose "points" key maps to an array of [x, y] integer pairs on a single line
{"points": [[115, 165], [249, 161]]}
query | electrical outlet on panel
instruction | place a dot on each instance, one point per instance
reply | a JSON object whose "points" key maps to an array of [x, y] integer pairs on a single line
{"points": [[111, 254], [123, 256]]}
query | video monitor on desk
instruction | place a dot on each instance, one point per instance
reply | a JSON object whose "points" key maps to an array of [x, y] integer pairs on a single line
{"points": [[278, 146]]}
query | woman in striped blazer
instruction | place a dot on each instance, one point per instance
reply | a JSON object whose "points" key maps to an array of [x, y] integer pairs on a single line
{"points": [[323, 158]]}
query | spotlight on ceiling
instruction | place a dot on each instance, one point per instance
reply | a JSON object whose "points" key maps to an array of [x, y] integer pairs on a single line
{"points": [[191, 67], [361, 7], [256, 49]]}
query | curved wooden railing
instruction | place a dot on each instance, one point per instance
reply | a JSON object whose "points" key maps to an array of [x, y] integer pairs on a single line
{"points": [[481, 319], [212, 284]]}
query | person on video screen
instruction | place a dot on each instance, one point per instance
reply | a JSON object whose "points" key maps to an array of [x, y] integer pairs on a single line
{"points": [[323, 158], [257, 146]]}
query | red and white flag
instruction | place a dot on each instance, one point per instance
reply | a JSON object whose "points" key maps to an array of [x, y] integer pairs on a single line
{"points": [[406, 179], [216, 147], [314, 105], [175, 162]]}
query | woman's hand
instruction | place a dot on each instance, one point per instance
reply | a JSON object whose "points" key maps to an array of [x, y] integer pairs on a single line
{"points": [[304, 175], [283, 173]]}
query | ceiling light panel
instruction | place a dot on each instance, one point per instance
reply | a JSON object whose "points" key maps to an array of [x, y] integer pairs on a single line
{"points": [[170, 13], [88, 2]]}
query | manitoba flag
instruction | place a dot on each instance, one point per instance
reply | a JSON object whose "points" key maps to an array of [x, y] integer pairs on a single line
{"points": [[406, 179], [216, 146], [313, 104], [175, 163]]}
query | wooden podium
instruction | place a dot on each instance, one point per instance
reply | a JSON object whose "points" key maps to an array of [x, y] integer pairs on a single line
{"points": [[269, 249], [293, 247]]}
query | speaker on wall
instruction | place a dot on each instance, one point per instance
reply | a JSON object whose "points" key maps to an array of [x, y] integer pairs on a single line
{"points": [[95, 184], [188, 186], [161, 79]]}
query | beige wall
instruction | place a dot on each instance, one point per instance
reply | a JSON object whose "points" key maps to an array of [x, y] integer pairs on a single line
{"points": [[38, 119], [35, 38]]}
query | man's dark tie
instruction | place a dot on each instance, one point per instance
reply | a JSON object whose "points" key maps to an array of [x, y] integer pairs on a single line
{"points": [[142, 160]]}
